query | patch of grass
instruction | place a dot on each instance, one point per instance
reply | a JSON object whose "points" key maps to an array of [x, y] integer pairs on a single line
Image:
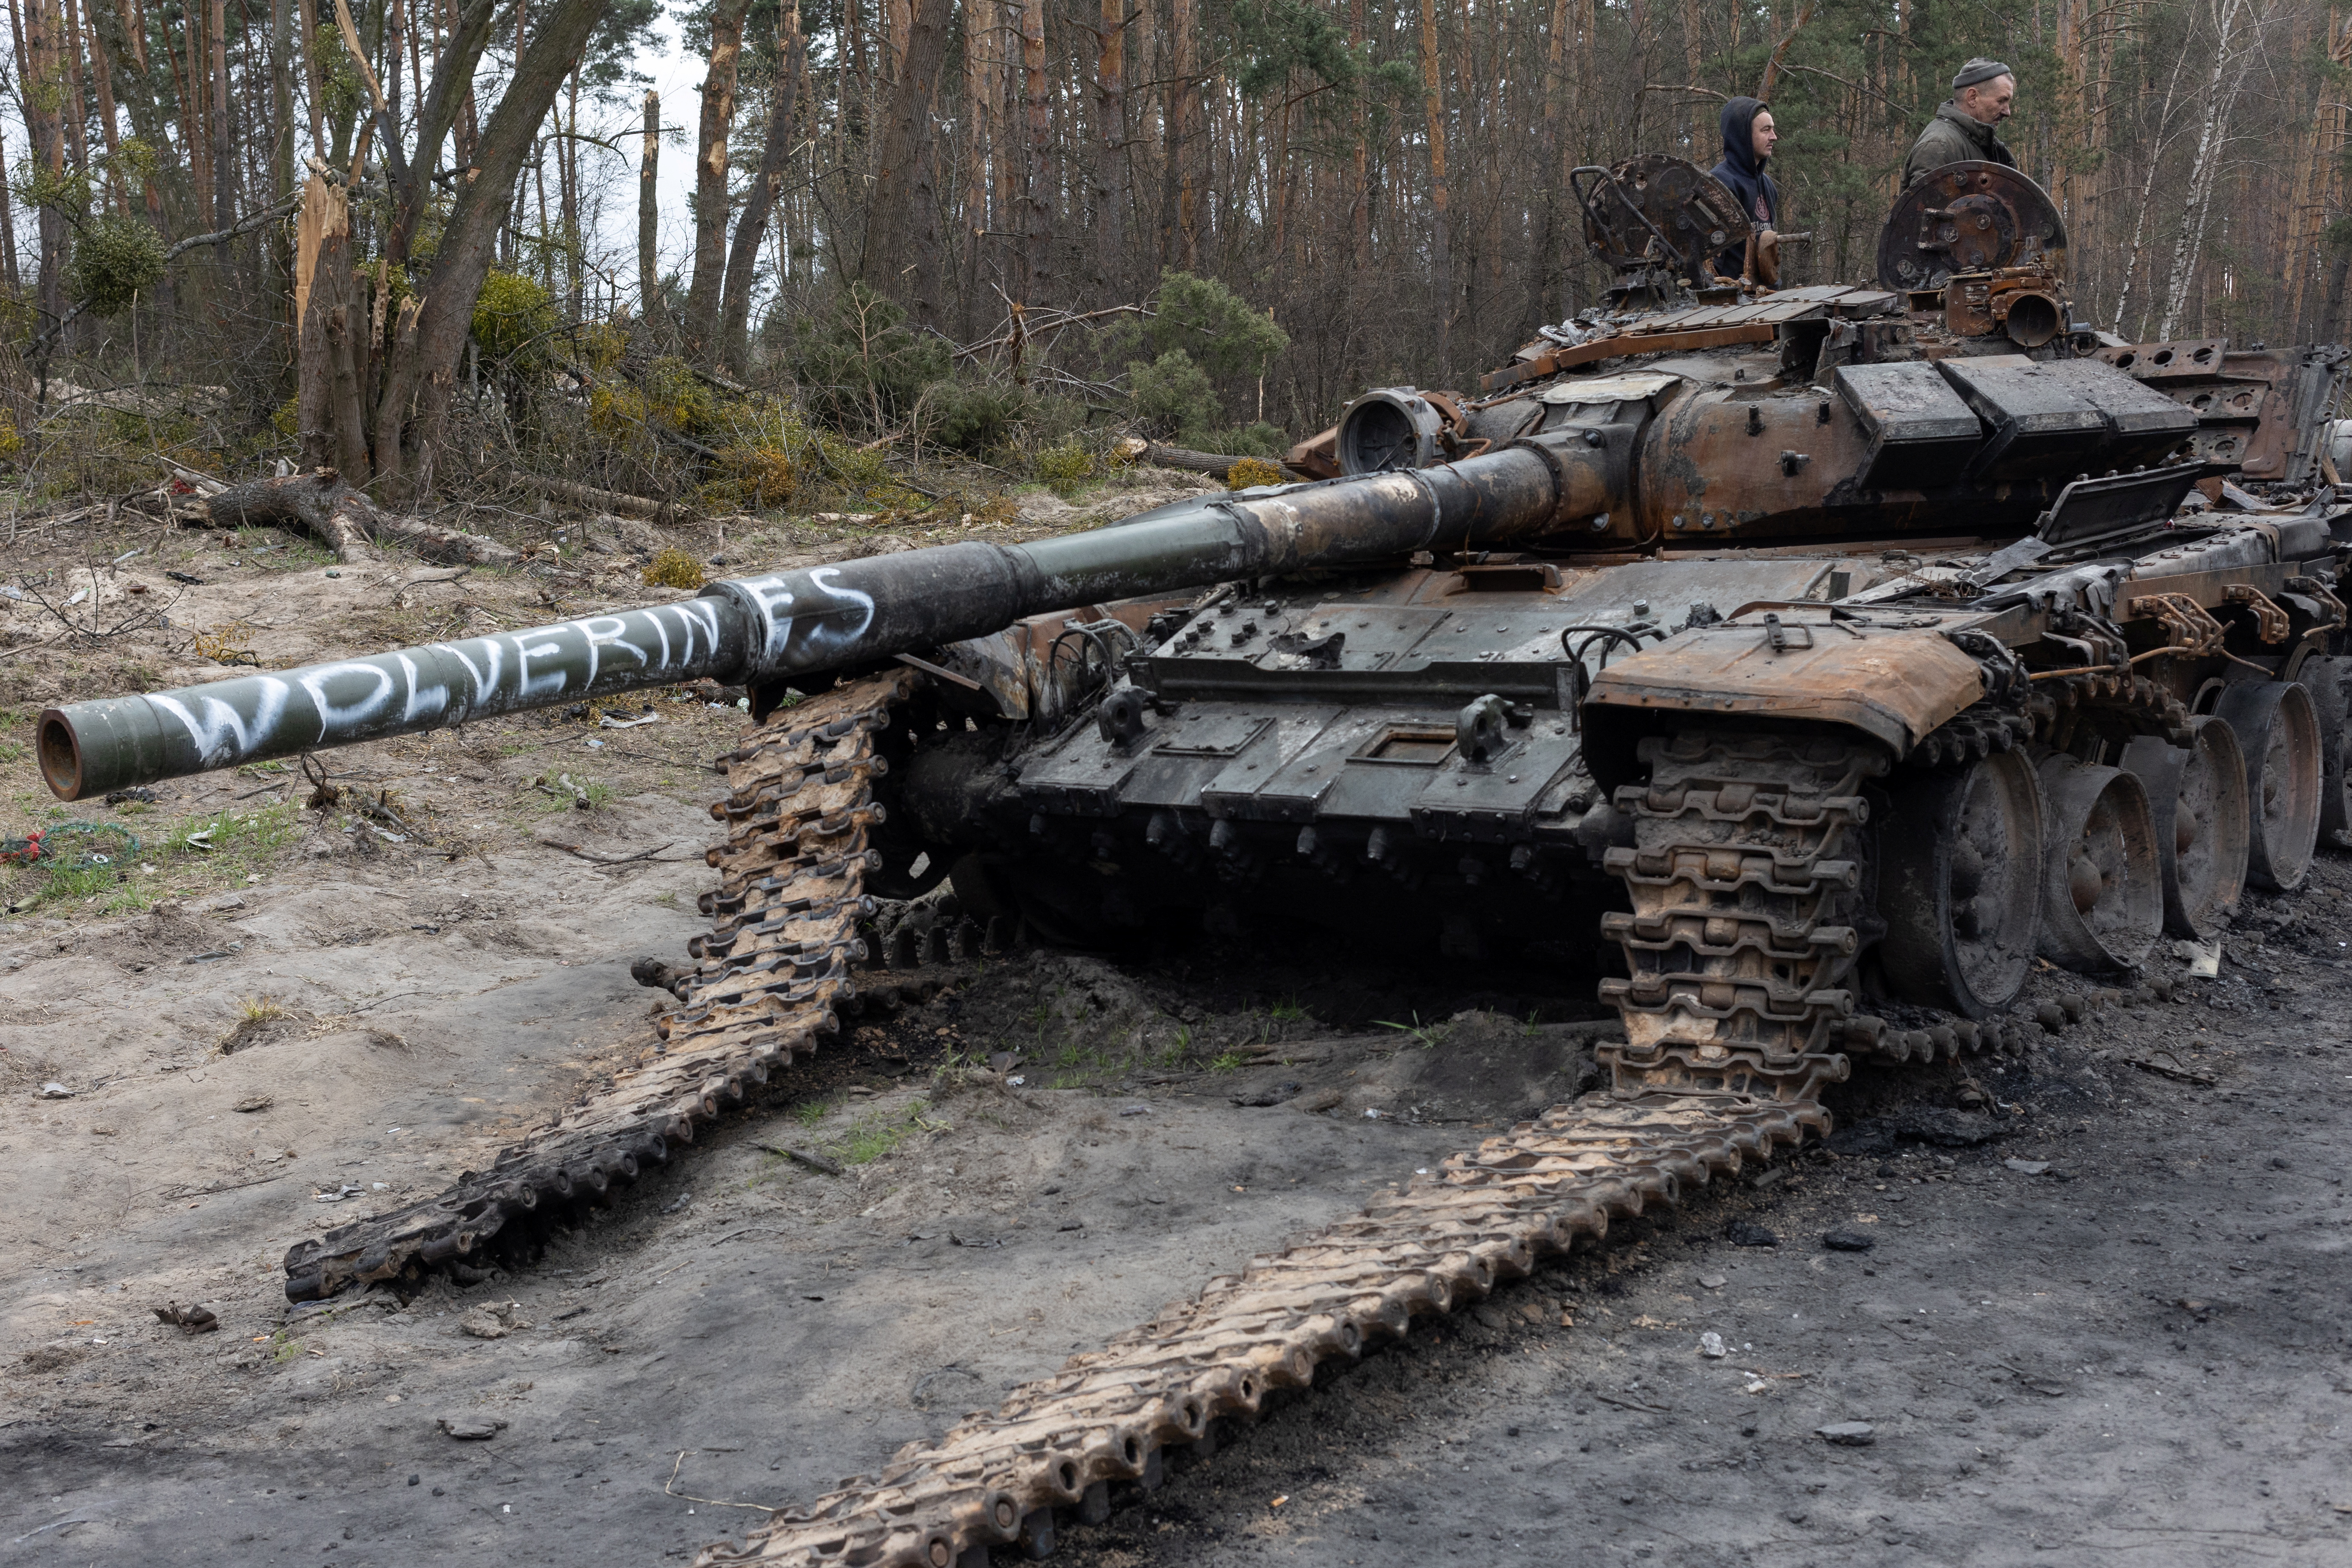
{"points": [[1225, 1061], [878, 1133], [1428, 1035], [809, 1112], [258, 1009], [81, 883], [1287, 1011], [11, 752], [673, 568]]}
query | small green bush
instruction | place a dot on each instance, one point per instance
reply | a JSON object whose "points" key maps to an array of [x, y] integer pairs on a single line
{"points": [[1218, 330], [1064, 468], [971, 416], [1172, 396], [515, 319], [858, 365], [114, 258]]}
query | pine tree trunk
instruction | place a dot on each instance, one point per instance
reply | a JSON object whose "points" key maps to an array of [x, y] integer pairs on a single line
{"points": [[1440, 239], [1037, 281], [1110, 150], [751, 223], [894, 251], [649, 214], [701, 327], [225, 183]]}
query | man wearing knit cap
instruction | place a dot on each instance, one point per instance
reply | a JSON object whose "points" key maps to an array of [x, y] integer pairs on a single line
{"points": [[1962, 130]]}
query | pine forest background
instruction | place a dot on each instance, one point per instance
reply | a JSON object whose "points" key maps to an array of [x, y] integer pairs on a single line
{"points": [[1010, 230]]}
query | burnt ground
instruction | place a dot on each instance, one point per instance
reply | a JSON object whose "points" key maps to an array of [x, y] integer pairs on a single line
{"points": [[2104, 1312]]}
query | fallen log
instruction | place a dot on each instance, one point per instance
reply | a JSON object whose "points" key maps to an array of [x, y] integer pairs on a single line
{"points": [[1215, 465], [604, 500], [321, 504]]}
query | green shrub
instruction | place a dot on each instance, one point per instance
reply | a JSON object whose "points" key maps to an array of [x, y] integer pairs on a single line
{"points": [[971, 416], [1219, 332], [1172, 396], [859, 367], [114, 258], [1064, 468], [1258, 440], [515, 319]]}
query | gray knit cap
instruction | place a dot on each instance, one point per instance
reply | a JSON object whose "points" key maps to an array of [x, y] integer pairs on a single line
{"points": [[1978, 72]]}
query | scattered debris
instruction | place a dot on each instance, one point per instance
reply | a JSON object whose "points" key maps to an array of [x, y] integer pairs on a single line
{"points": [[194, 1318], [813, 1162], [493, 1321], [1711, 1345], [2027, 1167], [1844, 1240], [2173, 1070], [1849, 1434], [472, 1428], [1747, 1233]]}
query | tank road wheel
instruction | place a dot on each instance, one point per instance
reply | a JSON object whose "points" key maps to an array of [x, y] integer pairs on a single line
{"points": [[2278, 730], [1960, 885], [2197, 802], [2329, 681], [2102, 893]]}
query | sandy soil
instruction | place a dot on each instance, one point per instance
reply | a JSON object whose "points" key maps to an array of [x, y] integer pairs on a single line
{"points": [[2104, 1312]]}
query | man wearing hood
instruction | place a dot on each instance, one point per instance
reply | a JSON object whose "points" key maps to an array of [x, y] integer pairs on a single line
{"points": [[1748, 138], [1961, 131]]}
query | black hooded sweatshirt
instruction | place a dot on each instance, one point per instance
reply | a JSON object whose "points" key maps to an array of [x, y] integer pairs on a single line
{"points": [[1742, 173]]}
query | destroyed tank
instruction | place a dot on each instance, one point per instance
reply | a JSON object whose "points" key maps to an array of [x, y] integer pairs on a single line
{"points": [[1832, 652]]}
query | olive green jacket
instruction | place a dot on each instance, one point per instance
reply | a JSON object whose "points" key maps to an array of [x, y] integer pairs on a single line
{"points": [[1953, 138]]}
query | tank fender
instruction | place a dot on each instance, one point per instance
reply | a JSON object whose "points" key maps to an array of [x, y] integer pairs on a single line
{"points": [[1893, 684]]}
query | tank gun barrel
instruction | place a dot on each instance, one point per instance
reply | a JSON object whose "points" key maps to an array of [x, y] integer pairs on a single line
{"points": [[770, 628]]}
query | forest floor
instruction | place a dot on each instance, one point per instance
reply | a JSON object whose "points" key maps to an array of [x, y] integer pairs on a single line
{"points": [[2107, 1313]]}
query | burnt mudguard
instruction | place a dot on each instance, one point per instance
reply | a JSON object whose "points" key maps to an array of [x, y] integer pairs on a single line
{"points": [[1892, 677]]}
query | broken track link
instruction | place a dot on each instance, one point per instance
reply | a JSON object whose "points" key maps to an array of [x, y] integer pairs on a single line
{"points": [[1443, 1242], [771, 981]]}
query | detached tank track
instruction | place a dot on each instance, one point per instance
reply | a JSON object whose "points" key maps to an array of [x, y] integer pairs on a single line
{"points": [[1747, 881], [772, 977], [1106, 1416]]}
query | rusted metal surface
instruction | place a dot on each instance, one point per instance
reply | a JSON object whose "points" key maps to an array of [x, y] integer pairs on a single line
{"points": [[1891, 674], [1970, 218], [772, 980], [1552, 363]]}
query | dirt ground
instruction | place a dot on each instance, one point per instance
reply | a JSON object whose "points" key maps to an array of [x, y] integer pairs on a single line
{"points": [[2106, 1308]]}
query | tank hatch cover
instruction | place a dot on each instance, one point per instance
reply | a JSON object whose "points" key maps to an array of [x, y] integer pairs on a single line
{"points": [[2039, 420], [1922, 432], [2076, 414], [1969, 217], [1630, 209], [1496, 802]]}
